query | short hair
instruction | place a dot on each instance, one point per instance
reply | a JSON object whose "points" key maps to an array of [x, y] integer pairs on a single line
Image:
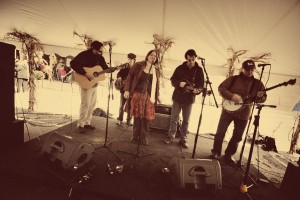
{"points": [[131, 56], [190, 52], [96, 45]]}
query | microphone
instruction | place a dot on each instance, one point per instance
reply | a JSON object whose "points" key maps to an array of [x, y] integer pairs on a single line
{"points": [[262, 65], [199, 58]]}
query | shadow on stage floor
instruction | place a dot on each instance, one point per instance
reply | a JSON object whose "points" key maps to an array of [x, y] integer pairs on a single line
{"points": [[26, 175]]}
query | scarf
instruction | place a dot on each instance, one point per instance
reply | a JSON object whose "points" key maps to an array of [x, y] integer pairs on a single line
{"points": [[153, 86]]}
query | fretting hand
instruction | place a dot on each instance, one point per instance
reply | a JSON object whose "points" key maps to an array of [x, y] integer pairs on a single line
{"points": [[182, 84]]}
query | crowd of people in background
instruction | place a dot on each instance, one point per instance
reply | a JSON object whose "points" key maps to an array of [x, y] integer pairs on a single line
{"points": [[48, 66]]}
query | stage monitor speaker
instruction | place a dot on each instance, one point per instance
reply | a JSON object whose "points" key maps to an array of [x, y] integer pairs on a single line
{"points": [[7, 71], [71, 153], [291, 181], [162, 117], [196, 174]]}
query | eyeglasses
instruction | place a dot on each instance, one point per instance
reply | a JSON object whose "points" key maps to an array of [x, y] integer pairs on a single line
{"points": [[191, 60]]}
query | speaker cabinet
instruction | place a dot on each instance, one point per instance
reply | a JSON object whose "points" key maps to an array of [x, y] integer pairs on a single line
{"points": [[162, 117], [291, 181], [71, 153], [196, 173], [7, 70]]}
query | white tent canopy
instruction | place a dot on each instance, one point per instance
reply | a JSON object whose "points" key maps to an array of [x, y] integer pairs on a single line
{"points": [[209, 27]]}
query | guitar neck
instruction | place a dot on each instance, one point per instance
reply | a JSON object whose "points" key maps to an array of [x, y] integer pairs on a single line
{"points": [[106, 71]]}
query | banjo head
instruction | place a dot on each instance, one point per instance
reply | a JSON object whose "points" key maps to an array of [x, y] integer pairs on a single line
{"points": [[231, 106]]}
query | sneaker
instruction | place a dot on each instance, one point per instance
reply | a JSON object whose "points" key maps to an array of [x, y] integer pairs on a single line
{"points": [[229, 159], [81, 129], [183, 143], [89, 127], [129, 124], [119, 123], [214, 155], [145, 142], [168, 139]]}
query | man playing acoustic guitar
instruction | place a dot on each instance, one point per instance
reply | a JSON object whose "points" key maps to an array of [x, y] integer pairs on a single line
{"points": [[237, 89], [80, 64], [188, 80]]}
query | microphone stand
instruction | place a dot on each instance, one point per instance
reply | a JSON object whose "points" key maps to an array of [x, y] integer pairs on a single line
{"points": [[202, 105], [243, 187], [239, 162], [110, 88], [137, 154]]}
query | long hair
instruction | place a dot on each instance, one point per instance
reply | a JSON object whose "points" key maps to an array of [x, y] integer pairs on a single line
{"points": [[156, 61]]}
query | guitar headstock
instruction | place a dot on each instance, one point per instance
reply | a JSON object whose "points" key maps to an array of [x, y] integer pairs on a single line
{"points": [[121, 66]]}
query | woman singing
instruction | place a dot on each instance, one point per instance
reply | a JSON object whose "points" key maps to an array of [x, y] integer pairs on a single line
{"points": [[142, 91]]}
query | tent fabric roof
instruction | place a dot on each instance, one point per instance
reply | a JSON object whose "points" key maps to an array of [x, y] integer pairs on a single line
{"points": [[209, 27]]}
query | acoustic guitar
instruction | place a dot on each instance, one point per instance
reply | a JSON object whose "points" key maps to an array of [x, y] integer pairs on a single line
{"points": [[97, 72]]}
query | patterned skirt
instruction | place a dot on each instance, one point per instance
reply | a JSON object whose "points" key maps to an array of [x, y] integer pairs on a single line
{"points": [[137, 106]]}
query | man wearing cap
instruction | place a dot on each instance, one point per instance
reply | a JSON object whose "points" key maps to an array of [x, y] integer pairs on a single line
{"points": [[88, 58], [238, 88], [121, 77]]}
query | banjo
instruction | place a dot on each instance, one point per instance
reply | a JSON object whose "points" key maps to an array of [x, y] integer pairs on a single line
{"points": [[232, 106]]}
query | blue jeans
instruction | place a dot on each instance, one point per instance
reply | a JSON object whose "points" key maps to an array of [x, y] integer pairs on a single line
{"points": [[186, 112], [238, 130]]}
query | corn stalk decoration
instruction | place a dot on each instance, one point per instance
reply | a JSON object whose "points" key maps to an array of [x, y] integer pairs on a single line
{"points": [[30, 45], [87, 40], [263, 58], [231, 61], [161, 45]]}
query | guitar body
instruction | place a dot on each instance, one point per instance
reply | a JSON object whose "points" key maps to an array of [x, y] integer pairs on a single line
{"points": [[96, 71]]}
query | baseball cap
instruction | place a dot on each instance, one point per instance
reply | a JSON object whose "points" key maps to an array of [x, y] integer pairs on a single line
{"points": [[248, 64]]}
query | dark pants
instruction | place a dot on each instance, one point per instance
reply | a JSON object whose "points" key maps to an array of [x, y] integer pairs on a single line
{"points": [[140, 128], [238, 130], [121, 109]]}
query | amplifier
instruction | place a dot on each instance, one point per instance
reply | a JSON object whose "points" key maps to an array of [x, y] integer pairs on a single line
{"points": [[196, 173], [163, 109], [162, 117]]}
